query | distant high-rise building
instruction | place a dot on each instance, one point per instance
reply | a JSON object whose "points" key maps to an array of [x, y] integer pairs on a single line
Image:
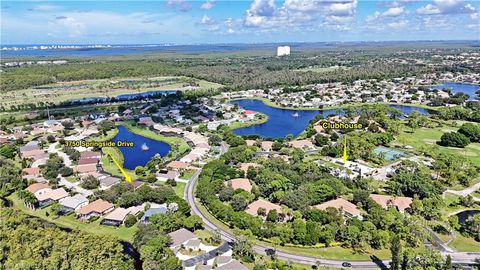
{"points": [[283, 50]]}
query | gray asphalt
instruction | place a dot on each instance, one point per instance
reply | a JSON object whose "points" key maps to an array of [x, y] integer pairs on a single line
{"points": [[224, 247]]}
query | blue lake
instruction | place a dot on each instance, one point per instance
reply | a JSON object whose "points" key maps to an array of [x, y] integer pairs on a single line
{"points": [[135, 156], [282, 122], [124, 97], [466, 88]]}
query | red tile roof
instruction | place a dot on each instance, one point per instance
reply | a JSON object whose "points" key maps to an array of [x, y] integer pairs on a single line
{"points": [[261, 203], [31, 170], [36, 187], [98, 206], [385, 201], [340, 204]]}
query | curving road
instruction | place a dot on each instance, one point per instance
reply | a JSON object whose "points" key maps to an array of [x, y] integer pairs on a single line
{"points": [[463, 258]]}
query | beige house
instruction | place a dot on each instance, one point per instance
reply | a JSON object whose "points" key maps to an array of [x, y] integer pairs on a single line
{"points": [[253, 207], [385, 201], [347, 208], [240, 183]]}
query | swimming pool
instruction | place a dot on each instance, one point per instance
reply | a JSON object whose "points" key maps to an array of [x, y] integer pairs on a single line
{"points": [[389, 153]]}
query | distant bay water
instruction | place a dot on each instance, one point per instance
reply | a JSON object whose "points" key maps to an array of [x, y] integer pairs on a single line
{"points": [[110, 50]]}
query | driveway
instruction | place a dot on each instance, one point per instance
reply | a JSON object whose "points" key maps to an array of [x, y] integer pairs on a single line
{"points": [[466, 191], [207, 256]]}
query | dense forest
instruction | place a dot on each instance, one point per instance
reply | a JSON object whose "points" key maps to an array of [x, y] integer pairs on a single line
{"points": [[29, 243], [246, 72]]}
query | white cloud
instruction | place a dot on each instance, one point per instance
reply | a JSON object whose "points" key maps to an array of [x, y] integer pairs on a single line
{"points": [[429, 10], [297, 14], [69, 25], [231, 22], [394, 11], [96, 27], [391, 12], [179, 5], [342, 9], [207, 20], [209, 4], [398, 25], [446, 7]]}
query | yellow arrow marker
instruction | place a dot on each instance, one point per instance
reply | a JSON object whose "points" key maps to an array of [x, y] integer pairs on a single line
{"points": [[345, 156], [127, 177]]}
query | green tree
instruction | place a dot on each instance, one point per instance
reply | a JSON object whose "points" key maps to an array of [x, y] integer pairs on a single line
{"points": [[448, 262], [8, 151], [272, 215], [90, 182], [139, 170], [470, 130], [454, 139], [130, 220], [396, 252], [277, 146], [320, 140]]}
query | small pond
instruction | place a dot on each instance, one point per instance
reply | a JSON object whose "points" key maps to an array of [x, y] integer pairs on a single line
{"points": [[143, 150], [464, 215]]}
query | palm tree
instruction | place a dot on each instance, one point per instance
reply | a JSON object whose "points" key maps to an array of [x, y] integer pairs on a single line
{"points": [[28, 198]]}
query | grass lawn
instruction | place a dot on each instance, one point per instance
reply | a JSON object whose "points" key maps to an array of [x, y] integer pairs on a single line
{"points": [[191, 252], [449, 210], [424, 137], [179, 145], [338, 253], [203, 234], [461, 187], [179, 189], [263, 118], [110, 166], [187, 175], [23, 96], [71, 222], [448, 199], [462, 243], [71, 179]]}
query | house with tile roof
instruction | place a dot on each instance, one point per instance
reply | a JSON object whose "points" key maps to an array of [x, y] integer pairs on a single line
{"points": [[51, 196], [180, 237], [253, 207], [240, 183], [347, 208], [38, 188], [116, 217], [385, 201], [96, 208]]}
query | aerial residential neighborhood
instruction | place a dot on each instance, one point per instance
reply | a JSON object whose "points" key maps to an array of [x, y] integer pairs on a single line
{"points": [[240, 135]]}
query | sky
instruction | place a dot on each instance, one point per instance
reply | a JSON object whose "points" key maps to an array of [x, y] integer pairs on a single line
{"points": [[253, 21]]}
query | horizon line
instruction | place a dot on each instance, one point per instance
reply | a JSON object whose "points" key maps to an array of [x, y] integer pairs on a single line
{"points": [[235, 43]]}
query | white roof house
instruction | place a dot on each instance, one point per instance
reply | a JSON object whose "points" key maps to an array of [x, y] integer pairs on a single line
{"points": [[74, 202]]}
